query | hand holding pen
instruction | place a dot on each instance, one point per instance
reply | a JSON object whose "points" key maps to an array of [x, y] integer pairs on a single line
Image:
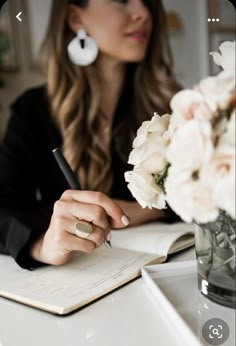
{"points": [[83, 229], [63, 236]]}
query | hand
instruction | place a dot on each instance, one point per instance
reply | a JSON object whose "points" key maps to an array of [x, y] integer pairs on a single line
{"points": [[59, 242], [139, 215]]}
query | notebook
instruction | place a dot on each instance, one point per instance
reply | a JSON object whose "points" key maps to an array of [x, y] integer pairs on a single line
{"points": [[86, 277]]}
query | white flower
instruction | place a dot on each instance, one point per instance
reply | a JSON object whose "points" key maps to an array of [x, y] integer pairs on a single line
{"points": [[156, 125], [192, 150], [190, 104], [191, 146], [187, 105], [150, 155], [228, 137], [225, 193], [192, 200], [218, 91], [219, 174], [144, 189], [221, 163], [220, 127], [155, 163], [150, 145], [226, 57]]}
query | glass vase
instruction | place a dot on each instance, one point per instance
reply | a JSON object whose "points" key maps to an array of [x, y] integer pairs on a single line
{"points": [[215, 251]]}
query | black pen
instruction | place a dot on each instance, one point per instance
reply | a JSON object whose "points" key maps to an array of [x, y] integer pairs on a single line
{"points": [[75, 185]]}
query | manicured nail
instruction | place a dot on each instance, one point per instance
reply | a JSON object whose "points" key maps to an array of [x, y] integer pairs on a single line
{"points": [[125, 220], [109, 236]]}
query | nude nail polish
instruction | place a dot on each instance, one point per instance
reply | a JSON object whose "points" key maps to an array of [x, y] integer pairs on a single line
{"points": [[125, 220]]}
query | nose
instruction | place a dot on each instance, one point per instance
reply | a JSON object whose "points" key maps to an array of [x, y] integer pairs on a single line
{"points": [[139, 11]]}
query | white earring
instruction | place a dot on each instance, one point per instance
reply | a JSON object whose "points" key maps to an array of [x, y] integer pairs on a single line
{"points": [[82, 50]]}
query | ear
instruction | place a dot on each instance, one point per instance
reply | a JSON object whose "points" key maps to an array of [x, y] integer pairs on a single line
{"points": [[74, 18]]}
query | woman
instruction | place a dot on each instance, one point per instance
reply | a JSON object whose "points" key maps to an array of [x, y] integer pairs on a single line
{"points": [[100, 87]]}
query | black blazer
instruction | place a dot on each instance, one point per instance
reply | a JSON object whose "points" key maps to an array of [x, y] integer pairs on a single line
{"points": [[30, 180]]}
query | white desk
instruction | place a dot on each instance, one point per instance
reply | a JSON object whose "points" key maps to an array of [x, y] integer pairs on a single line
{"points": [[126, 317]]}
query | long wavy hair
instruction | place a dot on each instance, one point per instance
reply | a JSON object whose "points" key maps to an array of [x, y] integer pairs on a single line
{"points": [[74, 96]]}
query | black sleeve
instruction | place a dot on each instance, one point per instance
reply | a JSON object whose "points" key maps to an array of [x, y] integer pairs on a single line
{"points": [[22, 217], [171, 216]]}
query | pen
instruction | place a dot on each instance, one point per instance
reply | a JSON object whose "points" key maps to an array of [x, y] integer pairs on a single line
{"points": [[83, 228]]}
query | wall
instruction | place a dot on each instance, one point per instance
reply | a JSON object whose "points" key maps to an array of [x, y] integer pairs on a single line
{"points": [[39, 12], [190, 48], [28, 37], [191, 64]]}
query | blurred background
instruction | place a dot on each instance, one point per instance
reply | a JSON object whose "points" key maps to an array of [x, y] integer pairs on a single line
{"points": [[196, 27]]}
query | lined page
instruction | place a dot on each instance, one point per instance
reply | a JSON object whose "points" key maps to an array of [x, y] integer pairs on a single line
{"points": [[155, 238], [84, 278]]}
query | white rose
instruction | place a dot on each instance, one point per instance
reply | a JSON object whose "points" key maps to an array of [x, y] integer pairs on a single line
{"points": [[151, 154], [189, 104], [175, 122], [220, 127], [225, 193], [191, 146], [228, 136], [144, 189], [226, 57], [221, 163], [218, 91], [157, 124], [219, 175], [155, 163], [232, 122], [192, 200]]}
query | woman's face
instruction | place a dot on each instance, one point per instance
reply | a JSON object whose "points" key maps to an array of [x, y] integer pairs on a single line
{"points": [[121, 28]]}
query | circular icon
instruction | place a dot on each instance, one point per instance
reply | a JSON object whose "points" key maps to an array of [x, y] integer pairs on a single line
{"points": [[215, 331]]}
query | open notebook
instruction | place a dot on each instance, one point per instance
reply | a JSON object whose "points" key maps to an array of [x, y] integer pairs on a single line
{"points": [[86, 277]]}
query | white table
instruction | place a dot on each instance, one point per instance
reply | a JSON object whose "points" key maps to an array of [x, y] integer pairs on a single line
{"points": [[126, 317]]}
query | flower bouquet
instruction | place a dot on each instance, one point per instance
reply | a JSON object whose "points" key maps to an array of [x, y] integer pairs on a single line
{"points": [[186, 161]]}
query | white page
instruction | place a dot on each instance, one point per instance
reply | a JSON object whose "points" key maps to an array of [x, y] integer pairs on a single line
{"points": [[76, 283], [155, 238]]}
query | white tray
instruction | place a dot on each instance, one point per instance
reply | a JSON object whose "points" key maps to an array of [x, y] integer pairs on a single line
{"points": [[174, 286]]}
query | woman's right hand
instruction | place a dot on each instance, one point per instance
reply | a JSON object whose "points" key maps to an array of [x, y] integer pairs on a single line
{"points": [[59, 242]]}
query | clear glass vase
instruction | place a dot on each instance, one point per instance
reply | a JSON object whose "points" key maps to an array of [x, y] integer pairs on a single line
{"points": [[215, 251]]}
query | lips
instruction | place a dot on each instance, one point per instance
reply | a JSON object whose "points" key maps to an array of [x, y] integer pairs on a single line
{"points": [[138, 33], [139, 36]]}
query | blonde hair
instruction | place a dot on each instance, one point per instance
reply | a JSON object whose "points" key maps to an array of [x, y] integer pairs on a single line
{"points": [[74, 96]]}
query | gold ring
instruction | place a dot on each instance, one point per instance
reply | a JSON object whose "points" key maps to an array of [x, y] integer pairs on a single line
{"points": [[83, 229]]}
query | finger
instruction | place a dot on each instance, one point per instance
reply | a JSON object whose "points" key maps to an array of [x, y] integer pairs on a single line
{"points": [[74, 243], [85, 229], [71, 225], [98, 236], [82, 211], [116, 215]]}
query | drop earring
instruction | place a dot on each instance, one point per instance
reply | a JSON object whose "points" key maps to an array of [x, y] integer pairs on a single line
{"points": [[82, 49]]}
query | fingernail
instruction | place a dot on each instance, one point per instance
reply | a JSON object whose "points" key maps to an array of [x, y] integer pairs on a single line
{"points": [[125, 220], [109, 236]]}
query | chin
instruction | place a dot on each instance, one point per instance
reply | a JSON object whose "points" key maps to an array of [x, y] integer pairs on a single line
{"points": [[136, 59], [131, 57]]}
